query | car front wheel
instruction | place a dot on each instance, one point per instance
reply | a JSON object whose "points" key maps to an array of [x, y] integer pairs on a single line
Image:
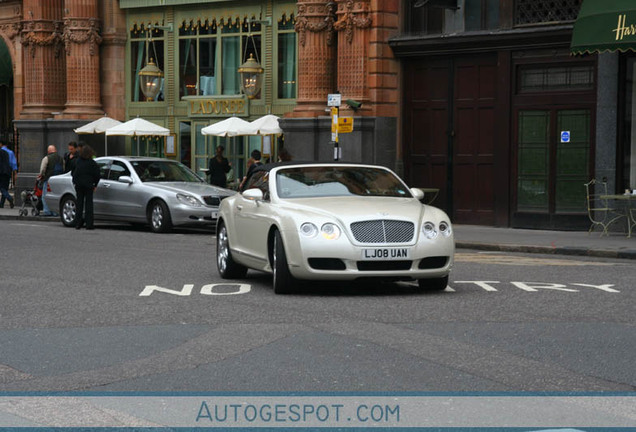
{"points": [[68, 211], [283, 280], [159, 217], [228, 268], [437, 284]]}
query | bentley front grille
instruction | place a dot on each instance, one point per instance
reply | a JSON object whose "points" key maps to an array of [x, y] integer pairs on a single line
{"points": [[383, 231]]}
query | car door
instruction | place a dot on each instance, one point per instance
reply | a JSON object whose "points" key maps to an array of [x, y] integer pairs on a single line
{"points": [[122, 198], [99, 197], [253, 219]]}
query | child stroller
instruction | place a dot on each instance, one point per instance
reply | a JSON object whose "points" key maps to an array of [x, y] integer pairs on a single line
{"points": [[31, 198]]}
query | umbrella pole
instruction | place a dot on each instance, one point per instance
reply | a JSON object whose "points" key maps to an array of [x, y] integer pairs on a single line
{"points": [[105, 145]]}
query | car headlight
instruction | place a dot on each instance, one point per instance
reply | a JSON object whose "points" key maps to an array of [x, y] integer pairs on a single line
{"points": [[308, 229], [330, 231], [428, 229], [188, 200], [445, 228]]}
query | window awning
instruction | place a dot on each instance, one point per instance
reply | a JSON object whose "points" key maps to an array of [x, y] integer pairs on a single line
{"points": [[605, 25]]}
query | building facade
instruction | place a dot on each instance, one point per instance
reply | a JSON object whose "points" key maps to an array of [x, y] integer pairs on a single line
{"points": [[307, 48], [499, 115], [479, 98]]}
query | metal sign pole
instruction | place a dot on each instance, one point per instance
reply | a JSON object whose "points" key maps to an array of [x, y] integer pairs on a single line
{"points": [[334, 119], [334, 100]]}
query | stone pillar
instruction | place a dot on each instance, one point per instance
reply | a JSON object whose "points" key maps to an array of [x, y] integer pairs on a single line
{"points": [[353, 46], [113, 56], [44, 62], [81, 43], [316, 56]]}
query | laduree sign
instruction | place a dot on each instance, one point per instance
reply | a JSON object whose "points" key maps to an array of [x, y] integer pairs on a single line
{"points": [[222, 106]]}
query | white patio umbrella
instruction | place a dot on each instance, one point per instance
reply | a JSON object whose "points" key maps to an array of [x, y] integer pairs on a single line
{"points": [[232, 126], [97, 127], [266, 125], [138, 127]]}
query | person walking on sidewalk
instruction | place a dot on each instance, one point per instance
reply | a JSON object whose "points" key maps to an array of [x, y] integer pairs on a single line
{"points": [[52, 164], [85, 178], [5, 176], [12, 160]]}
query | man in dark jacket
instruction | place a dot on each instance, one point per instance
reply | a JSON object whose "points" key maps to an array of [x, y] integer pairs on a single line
{"points": [[70, 157], [5, 177], [85, 178]]}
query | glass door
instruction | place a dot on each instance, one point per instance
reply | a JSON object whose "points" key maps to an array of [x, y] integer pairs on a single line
{"points": [[553, 160]]}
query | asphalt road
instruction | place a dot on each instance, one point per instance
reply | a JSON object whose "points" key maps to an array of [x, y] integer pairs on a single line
{"points": [[122, 309]]}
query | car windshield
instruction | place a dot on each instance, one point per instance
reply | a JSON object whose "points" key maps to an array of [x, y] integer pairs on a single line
{"points": [[312, 181], [164, 171]]}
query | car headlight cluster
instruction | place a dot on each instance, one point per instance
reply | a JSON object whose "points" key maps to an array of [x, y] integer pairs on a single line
{"points": [[328, 231], [189, 200], [431, 231]]}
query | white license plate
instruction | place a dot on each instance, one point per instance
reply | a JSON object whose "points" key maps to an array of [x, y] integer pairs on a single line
{"points": [[386, 254], [215, 215]]}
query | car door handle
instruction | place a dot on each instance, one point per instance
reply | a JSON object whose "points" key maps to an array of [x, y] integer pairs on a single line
{"points": [[106, 185]]}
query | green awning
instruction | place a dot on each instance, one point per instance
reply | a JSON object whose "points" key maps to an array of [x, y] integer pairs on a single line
{"points": [[605, 25]]}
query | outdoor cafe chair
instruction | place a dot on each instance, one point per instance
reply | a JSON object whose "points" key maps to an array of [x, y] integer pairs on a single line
{"points": [[599, 211]]}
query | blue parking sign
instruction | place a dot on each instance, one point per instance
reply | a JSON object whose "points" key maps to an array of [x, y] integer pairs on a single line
{"points": [[565, 136]]}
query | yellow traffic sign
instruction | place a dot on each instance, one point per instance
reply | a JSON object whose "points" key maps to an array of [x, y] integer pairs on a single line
{"points": [[345, 124]]}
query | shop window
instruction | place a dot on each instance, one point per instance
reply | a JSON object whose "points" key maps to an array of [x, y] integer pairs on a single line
{"points": [[145, 44], [425, 18], [572, 160], [148, 146], [555, 78], [287, 58], [211, 52], [185, 143], [531, 12], [627, 163], [481, 14], [533, 161]]}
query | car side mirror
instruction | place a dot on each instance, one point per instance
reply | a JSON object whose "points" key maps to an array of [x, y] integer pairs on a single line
{"points": [[253, 194], [125, 179], [417, 193]]}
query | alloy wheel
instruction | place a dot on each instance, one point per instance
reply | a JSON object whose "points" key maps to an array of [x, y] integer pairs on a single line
{"points": [[157, 217], [222, 249], [69, 211]]}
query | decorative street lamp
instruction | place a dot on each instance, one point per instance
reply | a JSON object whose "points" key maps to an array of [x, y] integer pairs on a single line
{"points": [[150, 80], [251, 77]]}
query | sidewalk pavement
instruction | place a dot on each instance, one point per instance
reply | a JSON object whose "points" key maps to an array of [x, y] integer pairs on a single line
{"points": [[579, 243]]}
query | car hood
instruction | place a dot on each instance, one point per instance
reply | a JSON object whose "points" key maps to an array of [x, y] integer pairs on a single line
{"points": [[201, 189], [349, 209]]}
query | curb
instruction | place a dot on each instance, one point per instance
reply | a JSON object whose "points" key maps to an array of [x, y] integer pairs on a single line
{"points": [[493, 247], [31, 218], [571, 251]]}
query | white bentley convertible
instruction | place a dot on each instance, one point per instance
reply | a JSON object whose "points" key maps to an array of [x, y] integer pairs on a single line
{"points": [[332, 221]]}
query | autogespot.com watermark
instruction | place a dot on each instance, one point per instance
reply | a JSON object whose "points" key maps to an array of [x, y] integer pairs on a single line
{"points": [[307, 413], [224, 411]]}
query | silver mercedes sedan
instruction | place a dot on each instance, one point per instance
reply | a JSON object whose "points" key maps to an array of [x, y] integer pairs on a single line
{"points": [[159, 192]]}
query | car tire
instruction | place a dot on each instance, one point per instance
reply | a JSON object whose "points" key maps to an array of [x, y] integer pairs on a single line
{"points": [[159, 217], [437, 284], [227, 267], [283, 281], [68, 211]]}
